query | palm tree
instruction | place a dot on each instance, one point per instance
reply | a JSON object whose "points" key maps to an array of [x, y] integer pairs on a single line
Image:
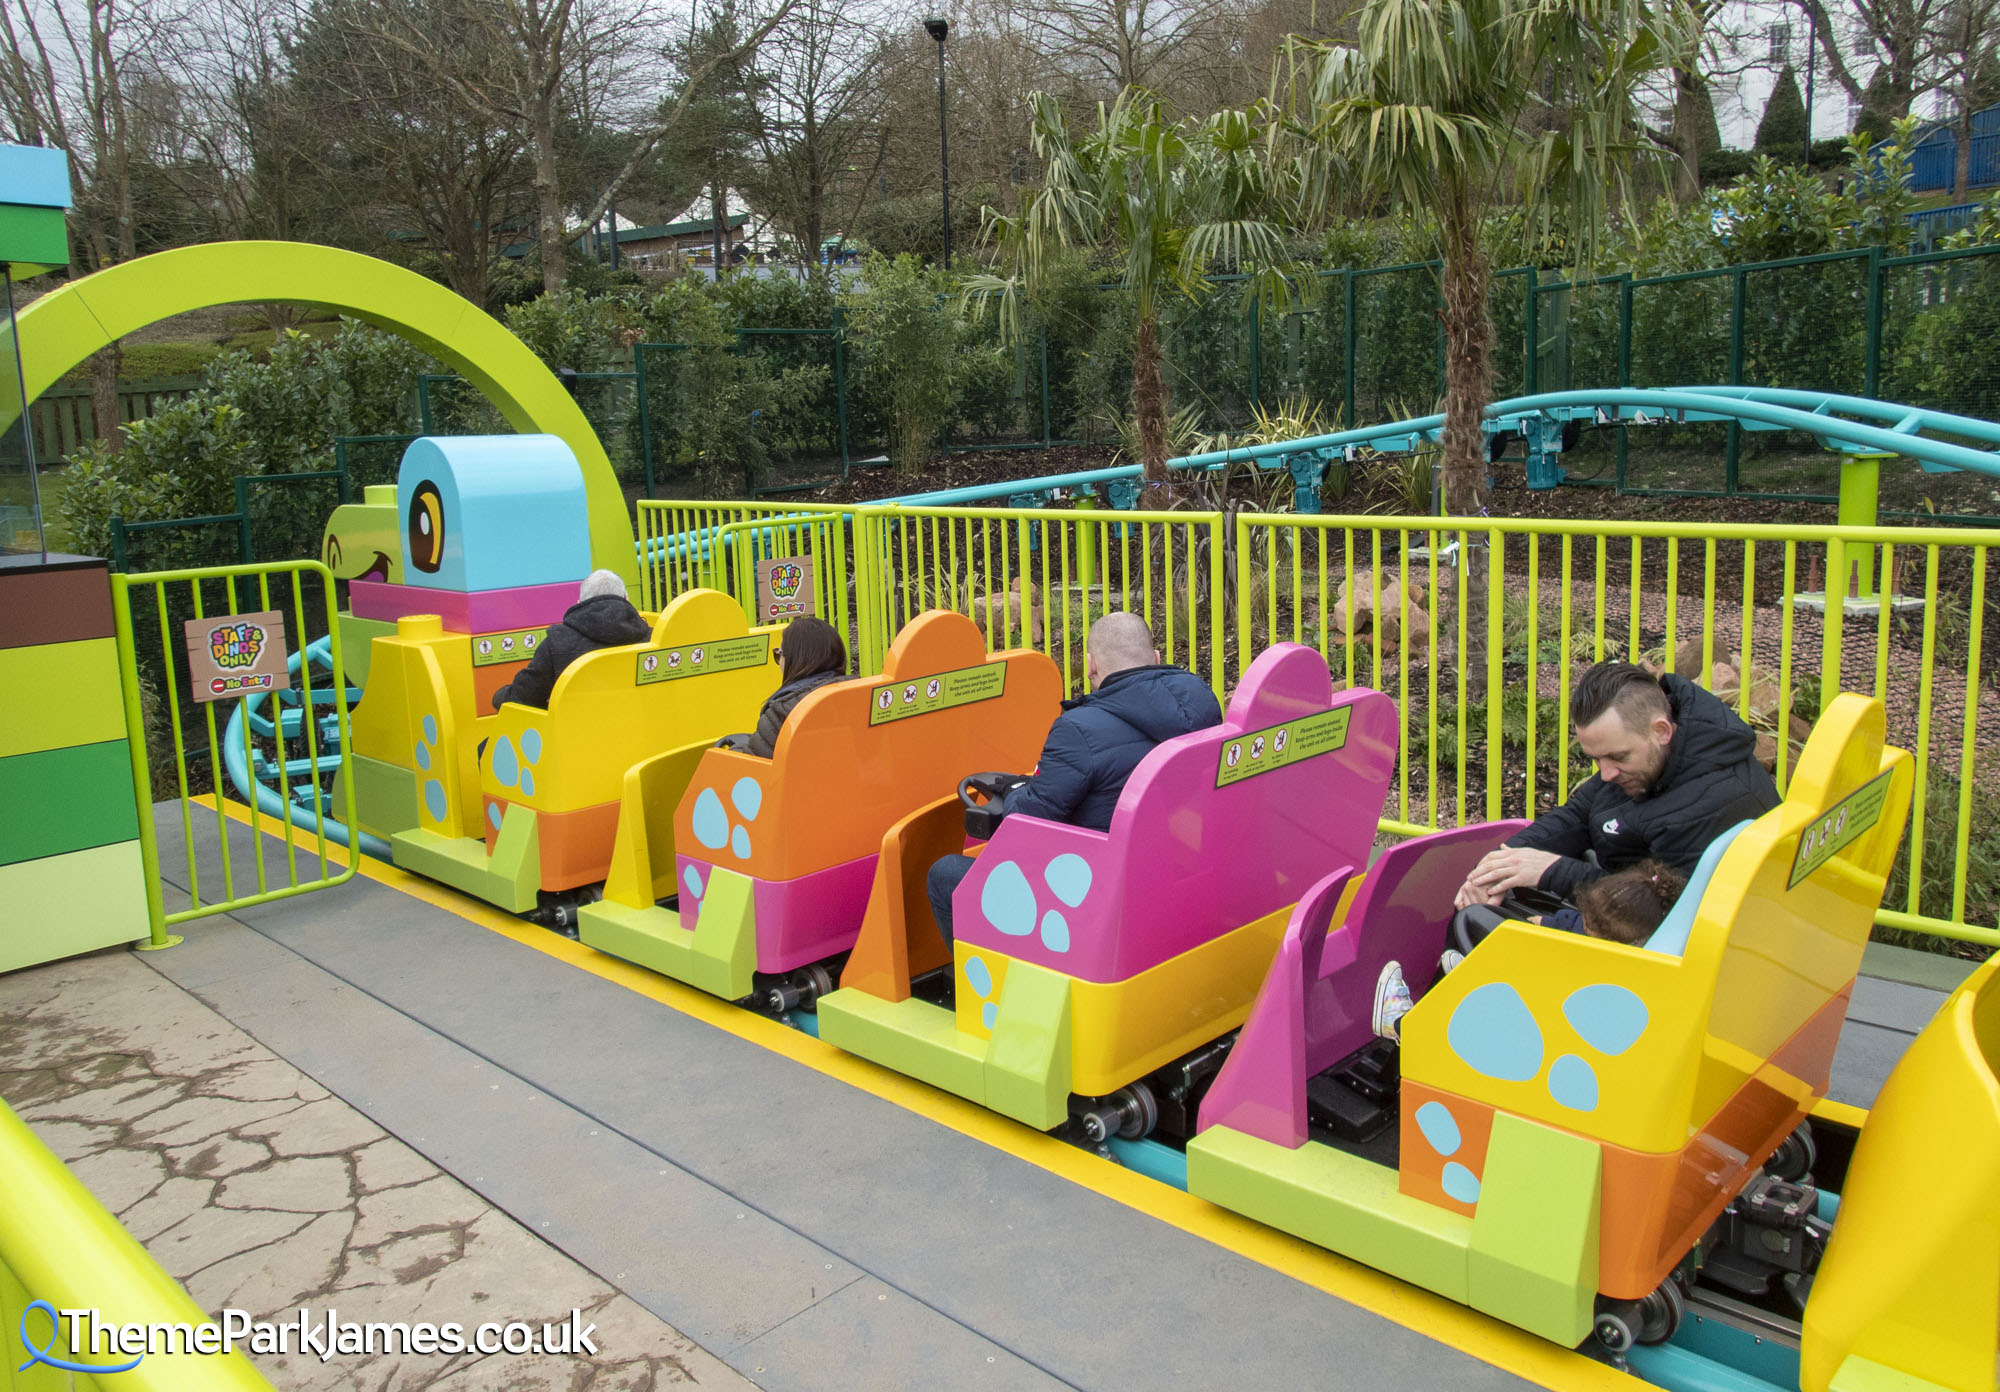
{"points": [[1171, 201], [1457, 107]]}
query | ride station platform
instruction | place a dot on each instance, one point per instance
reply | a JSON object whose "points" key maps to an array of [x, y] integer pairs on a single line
{"points": [[809, 1219]]}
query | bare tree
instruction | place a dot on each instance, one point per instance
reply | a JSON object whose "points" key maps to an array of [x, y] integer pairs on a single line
{"points": [[64, 82], [532, 51], [670, 113], [817, 126], [404, 159], [1967, 72], [1897, 33], [1116, 44]]}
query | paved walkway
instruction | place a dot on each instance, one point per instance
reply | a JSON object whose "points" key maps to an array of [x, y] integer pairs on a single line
{"points": [[259, 1190]]}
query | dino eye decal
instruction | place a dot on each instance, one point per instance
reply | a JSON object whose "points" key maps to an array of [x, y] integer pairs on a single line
{"points": [[426, 528]]}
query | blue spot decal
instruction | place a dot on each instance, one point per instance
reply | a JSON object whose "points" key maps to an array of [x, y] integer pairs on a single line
{"points": [[431, 728], [711, 823], [531, 745], [423, 756], [1068, 877], [527, 782], [691, 881], [493, 814], [434, 799], [1610, 1018], [1462, 1184], [978, 976], [1573, 1083], [1055, 932], [988, 1013], [1494, 1034], [748, 797], [739, 842], [1008, 900], [1440, 1129], [506, 767]]}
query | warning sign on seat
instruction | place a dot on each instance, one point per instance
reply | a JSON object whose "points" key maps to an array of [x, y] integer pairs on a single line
{"points": [[1261, 751], [702, 659], [939, 691], [1843, 823]]}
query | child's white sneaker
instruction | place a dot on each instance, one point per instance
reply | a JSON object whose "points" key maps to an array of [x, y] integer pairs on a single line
{"points": [[1392, 1001]]}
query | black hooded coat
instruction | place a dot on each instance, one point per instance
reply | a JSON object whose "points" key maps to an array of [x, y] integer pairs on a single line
{"points": [[602, 621], [1711, 781], [1100, 738]]}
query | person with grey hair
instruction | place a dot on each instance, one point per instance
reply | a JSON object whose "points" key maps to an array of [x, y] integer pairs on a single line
{"points": [[602, 617], [1135, 701]]}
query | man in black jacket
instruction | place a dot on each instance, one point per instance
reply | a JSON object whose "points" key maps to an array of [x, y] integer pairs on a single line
{"points": [[1134, 703], [1675, 769], [602, 617]]}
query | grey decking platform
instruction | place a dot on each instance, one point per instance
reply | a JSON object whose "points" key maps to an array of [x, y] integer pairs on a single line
{"points": [[809, 1233]]}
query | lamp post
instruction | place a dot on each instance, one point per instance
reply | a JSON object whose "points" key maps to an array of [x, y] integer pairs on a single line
{"points": [[938, 27]]}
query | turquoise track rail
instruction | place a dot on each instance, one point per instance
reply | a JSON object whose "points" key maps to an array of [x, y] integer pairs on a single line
{"points": [[255, 773]]}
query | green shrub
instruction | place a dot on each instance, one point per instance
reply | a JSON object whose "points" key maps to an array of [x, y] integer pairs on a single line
{"points": [[1940, 841], [147, 361], [180, 462], [278, 416], [907, 342], [914, 226], [575, 330], [711, 408]]}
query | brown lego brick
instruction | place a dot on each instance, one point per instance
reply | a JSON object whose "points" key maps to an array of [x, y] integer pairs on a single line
{"points": [[58, 603]]}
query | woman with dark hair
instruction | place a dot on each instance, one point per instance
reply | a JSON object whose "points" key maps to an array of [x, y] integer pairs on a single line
{"points": [[810, 655]]}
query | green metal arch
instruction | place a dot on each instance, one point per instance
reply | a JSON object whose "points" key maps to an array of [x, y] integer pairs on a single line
{"points": [[65, 327]]}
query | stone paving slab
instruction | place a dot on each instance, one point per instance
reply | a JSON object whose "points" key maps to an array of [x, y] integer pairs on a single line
{"points": [[260, 1190]]}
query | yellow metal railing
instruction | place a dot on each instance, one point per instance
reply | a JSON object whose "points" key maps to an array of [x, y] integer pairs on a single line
{"points": [[152, 612], [678, 548], [1740, 609], [1475, 627], [1036, 578], [1480, 657], [58, 1245]]}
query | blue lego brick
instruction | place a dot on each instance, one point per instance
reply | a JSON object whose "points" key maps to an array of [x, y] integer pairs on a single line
{"points": [[33, 176], [492, 512]]}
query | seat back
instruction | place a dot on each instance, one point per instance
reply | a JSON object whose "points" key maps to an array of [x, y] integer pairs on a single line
{"points": [[1317, 1000], [1909, 1291], [1213, 830], [856, 756], [1691, 1069], [1672, 934], [703, 674]]}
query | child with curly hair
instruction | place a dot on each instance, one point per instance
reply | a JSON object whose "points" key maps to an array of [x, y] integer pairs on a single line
{"points": [[1625, 908]]}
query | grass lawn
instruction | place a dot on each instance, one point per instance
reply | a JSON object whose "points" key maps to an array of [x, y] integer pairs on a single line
{"points": [[14, 492]]}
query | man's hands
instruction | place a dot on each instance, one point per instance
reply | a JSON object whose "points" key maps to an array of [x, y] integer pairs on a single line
{"points": [[1501, 871]]}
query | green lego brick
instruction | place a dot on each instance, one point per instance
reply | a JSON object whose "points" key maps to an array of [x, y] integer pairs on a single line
{"points": [[60, 694], [719, 955], [61, 905], [508, 878], [357, 645], [914, 1037], [63, 800], [1028, 1066], [1858, 1374], [385, 797], [32, 237], [1533, 1261], [1339, 1201]]}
